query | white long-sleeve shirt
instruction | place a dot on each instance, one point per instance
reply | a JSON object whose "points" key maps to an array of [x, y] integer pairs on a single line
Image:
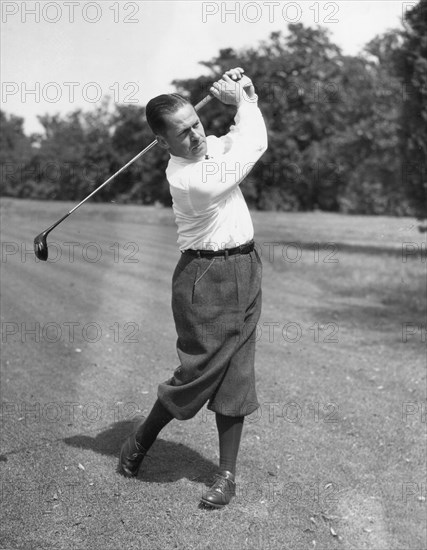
{"points": [[210, 210]]}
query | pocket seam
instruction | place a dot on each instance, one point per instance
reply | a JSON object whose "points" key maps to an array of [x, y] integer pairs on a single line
{"points": [[204, 272]]}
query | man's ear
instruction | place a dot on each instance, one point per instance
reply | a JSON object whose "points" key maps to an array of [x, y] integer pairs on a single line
{"points": [[162, 142]]}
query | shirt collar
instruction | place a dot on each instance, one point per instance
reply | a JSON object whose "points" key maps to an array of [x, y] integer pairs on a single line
{"points": [[183, 161], [180, 160]]}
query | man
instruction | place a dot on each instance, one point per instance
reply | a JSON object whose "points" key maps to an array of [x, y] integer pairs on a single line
{"points": [[216, 286]]}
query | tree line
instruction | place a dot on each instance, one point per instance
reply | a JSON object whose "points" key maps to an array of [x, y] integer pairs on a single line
{"points": [[346, 133]]}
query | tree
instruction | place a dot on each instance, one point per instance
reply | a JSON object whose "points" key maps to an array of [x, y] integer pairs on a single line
{"points": [[15, 153], [144, 182], [411, 66], [332, 121], [74, 154], [343, 130], [370, 145]]}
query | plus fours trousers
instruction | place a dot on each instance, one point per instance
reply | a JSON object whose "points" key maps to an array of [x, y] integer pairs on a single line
{"points": [[216, 304]]}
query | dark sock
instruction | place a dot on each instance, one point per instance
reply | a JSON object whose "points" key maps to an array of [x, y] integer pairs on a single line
{"points": [[148, 431], [229, 431]]}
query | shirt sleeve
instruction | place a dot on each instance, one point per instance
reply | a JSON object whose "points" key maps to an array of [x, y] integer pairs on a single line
{"points": [[211, 181]]}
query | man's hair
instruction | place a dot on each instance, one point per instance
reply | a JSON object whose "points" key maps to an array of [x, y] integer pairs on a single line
{"points": [[158, 107]]}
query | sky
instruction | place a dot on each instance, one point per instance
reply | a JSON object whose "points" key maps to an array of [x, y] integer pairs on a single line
{"points": [[58, 56]]}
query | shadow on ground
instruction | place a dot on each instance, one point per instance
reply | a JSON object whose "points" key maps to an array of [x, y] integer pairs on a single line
{"points": [[166, 461]]}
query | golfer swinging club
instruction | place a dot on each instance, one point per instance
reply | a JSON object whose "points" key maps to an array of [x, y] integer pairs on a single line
{"points": [[216, 286]]}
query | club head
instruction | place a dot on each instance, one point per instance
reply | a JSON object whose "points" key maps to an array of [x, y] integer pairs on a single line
{"points": [[40, 247]]}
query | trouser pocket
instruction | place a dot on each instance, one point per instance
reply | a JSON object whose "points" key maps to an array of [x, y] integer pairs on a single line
{"points": [[215, 283]]}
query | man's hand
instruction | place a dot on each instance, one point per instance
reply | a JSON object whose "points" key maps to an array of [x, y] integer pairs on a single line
{"points": [[233, 88]]}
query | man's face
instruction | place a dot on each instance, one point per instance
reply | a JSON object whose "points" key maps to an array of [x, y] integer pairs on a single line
{"points": [[184, 135]]}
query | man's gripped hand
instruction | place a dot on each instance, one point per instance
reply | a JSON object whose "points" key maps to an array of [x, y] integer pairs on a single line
{"points": [[233, 88]]}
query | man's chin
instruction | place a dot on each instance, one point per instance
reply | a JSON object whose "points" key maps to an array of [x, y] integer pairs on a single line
{"points": [[199, 152]]}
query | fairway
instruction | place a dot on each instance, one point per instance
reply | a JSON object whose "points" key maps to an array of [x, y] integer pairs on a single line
{"points": [[333, 459]]}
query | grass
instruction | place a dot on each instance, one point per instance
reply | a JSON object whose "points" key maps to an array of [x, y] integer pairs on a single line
{"points": [[335, 456]]}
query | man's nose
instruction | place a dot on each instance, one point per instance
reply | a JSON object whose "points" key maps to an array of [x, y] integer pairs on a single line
{"points": [[194, 135]]}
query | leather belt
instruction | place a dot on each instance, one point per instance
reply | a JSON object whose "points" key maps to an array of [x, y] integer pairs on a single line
{"points": [[242, 249]]}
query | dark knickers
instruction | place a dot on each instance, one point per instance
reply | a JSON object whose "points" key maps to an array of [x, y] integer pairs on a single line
{"points": [[216, 305]]}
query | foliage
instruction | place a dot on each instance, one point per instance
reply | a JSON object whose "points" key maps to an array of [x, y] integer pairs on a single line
{"points": [[332, 121], [15, 154], [411, 66], [341, 134]]}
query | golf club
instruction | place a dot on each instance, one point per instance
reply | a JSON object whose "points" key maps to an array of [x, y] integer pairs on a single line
{"points": [[40, 242]]}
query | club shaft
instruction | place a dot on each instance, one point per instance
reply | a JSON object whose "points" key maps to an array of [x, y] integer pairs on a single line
{"points": [[49, 229], [136, 157]]}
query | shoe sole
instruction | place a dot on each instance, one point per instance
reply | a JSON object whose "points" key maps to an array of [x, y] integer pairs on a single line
{"points": [[211, 505], [126, 473]]}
